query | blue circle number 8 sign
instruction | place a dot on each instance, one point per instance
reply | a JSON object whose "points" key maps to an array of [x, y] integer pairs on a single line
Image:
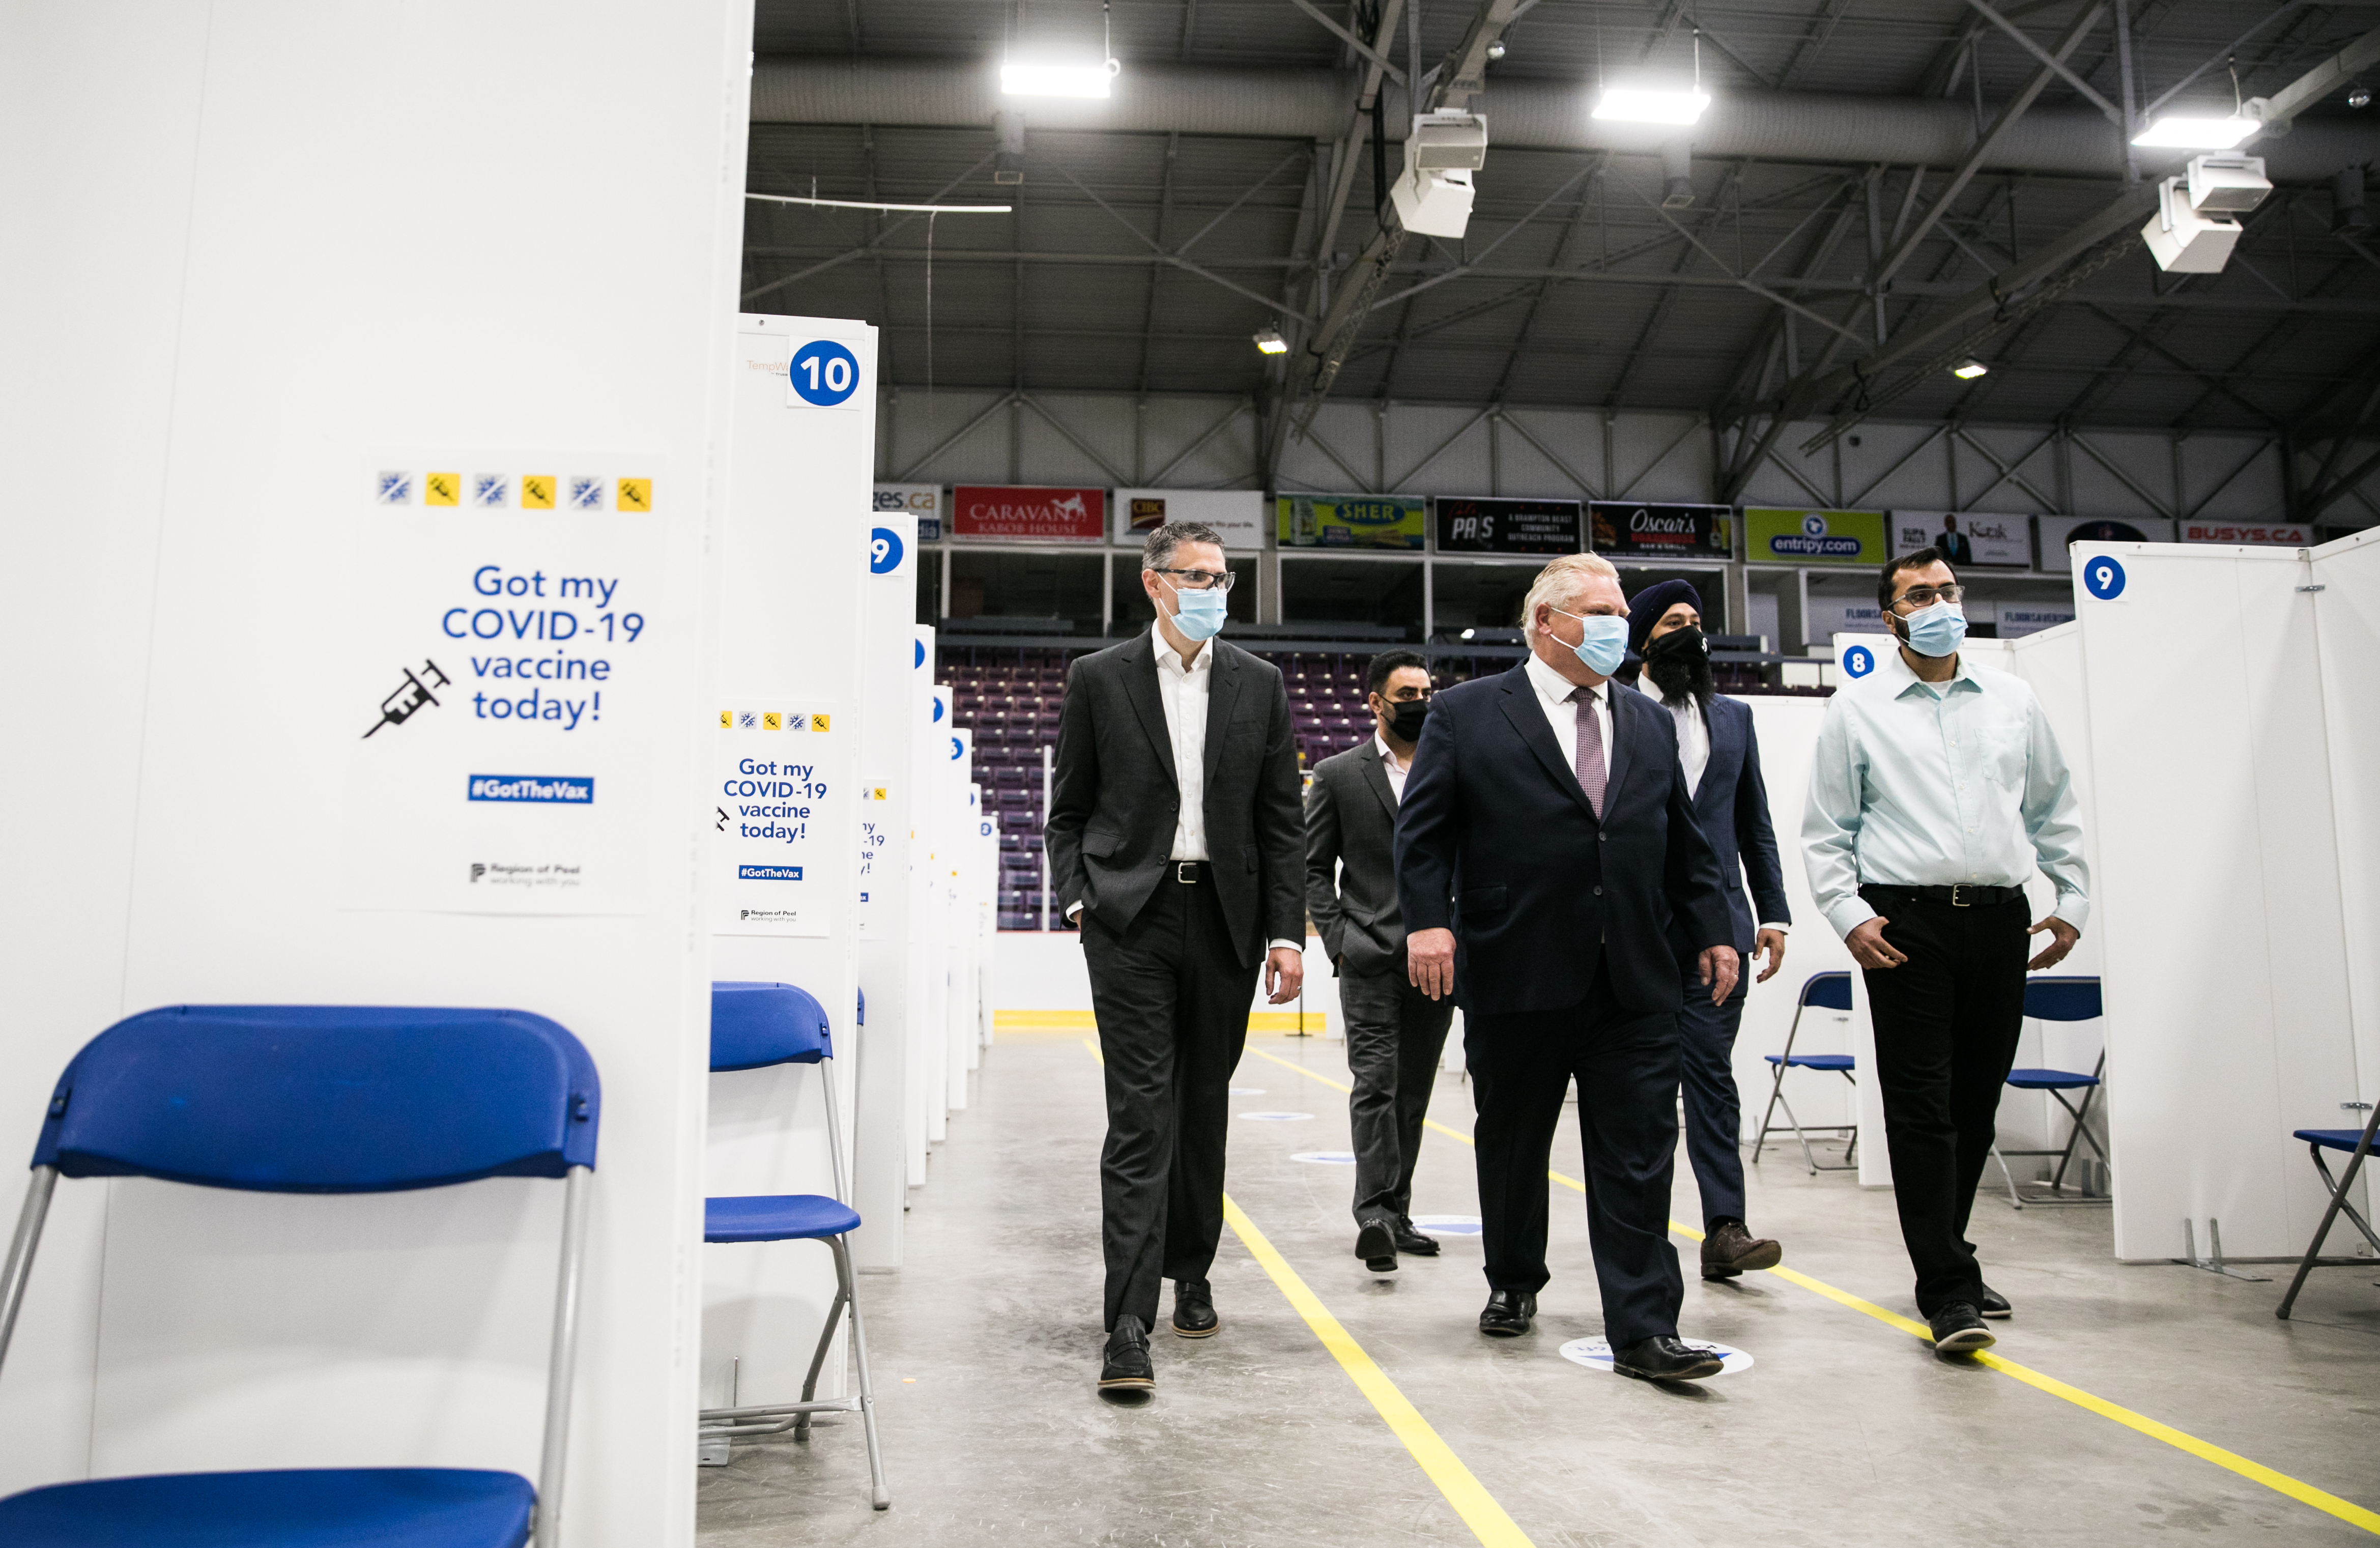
{"points": [[2103, 578], [825, 373]]}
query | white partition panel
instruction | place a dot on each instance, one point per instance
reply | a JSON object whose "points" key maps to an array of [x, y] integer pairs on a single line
{"points": [[2226, 974], [2346, 615], [957, 806], [547, 262], [783, 788], [1787, 729], [891, 656], [922, 1101]]}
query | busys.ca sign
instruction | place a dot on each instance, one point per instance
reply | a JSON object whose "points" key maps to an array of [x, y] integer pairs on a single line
{"points": [[1044, 515]]}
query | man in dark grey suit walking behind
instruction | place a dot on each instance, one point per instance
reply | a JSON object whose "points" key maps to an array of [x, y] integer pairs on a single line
{"points": [[1395, 1033], [1173, 839]]}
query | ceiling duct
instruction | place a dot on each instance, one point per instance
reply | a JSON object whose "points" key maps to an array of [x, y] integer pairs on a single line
{"points": [[1314, 104]]}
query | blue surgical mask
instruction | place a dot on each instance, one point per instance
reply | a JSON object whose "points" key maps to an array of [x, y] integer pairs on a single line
{"points": [[1935, 630], [1199, 614], [1603, 640]]}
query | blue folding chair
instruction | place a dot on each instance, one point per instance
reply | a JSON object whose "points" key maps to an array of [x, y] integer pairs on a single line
{"points": [[2356, 1144], [1827, 992], [319, 1099], [754, 1026], [2060, 999]]}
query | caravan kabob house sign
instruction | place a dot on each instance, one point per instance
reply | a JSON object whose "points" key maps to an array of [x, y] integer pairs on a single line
{"points": [[1034, 514]]}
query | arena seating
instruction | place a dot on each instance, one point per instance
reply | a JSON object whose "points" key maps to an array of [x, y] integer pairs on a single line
{"points": [[1010, 695]]}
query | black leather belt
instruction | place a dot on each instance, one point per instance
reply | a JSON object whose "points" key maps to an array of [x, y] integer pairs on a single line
{"points": [[1964, 895], [1190, 873]]}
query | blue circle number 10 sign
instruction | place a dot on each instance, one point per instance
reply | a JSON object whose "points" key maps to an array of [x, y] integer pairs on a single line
{"points": [[825, 373]]}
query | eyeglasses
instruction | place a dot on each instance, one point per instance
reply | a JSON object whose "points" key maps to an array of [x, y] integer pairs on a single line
{"points": [[1926, 596], [1202, 579]]}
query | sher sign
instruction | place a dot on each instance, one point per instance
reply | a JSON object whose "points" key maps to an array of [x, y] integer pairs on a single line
{"points": [[996, 511]]}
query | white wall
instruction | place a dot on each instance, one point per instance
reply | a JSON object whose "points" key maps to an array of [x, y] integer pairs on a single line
{"points": [[2347, 627], [248, 247]]}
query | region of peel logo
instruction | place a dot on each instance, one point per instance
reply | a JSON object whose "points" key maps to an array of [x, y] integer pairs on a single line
{"points": [[1812, 542]]}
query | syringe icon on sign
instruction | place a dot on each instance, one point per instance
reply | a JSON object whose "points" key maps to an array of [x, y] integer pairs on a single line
{"points": [[399, 706]]}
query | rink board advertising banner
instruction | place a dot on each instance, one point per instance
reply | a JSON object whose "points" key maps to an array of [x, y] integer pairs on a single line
{"points": [[1029, 513], [513, 616], [1967, 537], [1632, 528], [779, 807], [2057, 532], [1351, 520], [1236, 514], [2276, 534], [1479, 524], [922, 501], [1805, 537]]}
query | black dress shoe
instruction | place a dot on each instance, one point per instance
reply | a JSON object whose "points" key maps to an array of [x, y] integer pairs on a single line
{"points": [[1959, 1329], [1508, 1314], [1412, 1241], [1126, 1373], [1664, 1358], [1194, 1309], [1376, 1243], [1730, 1249], [1995, 1305]]}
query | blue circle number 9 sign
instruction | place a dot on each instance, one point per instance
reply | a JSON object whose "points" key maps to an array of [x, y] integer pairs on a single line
{"points": [[2103, 578], [824, 374]]}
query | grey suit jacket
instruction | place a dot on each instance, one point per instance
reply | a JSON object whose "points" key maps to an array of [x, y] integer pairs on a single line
{"points": [[1351, 865], [1115, 801]]}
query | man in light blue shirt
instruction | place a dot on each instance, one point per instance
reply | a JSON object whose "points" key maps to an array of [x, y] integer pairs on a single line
{"points": [[1935, 790]]}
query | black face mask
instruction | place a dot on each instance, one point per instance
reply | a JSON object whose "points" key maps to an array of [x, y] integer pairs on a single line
{"points": [[1404, 719], [1679, 663]]}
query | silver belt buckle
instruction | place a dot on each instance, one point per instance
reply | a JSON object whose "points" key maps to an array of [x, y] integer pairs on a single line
{"points": [[1956, 900], [1184, 874]]}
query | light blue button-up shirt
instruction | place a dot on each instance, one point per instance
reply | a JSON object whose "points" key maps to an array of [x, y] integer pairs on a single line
{"points": [[1926, 785]]}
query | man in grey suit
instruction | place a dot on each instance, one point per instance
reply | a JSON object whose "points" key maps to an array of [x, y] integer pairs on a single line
{"points": [[1395, 1033], [1720, 760], [1173, 840]]}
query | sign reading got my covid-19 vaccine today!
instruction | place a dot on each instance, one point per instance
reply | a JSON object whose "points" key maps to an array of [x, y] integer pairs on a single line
{"points": [[781, 796], [518, 619]]}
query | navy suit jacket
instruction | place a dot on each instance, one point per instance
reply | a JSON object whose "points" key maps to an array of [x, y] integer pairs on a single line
{"points": [[1732, 808], [1496, 841]]}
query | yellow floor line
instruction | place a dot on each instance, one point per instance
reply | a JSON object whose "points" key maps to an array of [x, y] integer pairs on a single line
{"points": [[2303, 1493], [1469, 1497]]}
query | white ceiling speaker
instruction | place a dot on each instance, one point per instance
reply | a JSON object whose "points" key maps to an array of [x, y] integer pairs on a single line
{"points": [[1433, 193]]}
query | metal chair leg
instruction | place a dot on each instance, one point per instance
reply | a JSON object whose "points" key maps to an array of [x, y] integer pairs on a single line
{"points": [[2007, 1176], [883, 1493], [826, 1336]]}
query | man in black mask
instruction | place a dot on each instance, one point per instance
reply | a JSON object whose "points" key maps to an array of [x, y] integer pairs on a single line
{"points": [[1722, 768], [1395, 1033]]}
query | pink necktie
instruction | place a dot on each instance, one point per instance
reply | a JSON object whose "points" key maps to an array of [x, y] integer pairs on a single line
{"points": [[1590, 750]]}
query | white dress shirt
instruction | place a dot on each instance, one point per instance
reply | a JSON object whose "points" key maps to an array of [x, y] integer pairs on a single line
{"points": [[1693, 739], [1553, 697], [1926, 785], [1396, 771], [1183, 691]]}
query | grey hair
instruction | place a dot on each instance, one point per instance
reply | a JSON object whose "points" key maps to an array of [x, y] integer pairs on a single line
{"points": [[1158, 552], [1558, 582]]}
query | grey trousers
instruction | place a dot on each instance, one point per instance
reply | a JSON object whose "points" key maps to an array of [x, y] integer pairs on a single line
{"points": [[1395, 1037]]}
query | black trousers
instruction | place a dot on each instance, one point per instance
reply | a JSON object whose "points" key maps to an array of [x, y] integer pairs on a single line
{"points": [[1396, 1035], [1714, 1113], [1946, 1030], [1171, 998], [1627, 1066]]}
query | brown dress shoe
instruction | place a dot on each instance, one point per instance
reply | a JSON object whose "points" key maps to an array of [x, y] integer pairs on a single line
{"points": [[1730, 1249]]}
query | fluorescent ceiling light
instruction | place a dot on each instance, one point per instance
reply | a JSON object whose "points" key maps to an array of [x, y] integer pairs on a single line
{"points": [[1056, 80], [2197, 134], [1637, 105], [1969, 369], [1269, 342]]}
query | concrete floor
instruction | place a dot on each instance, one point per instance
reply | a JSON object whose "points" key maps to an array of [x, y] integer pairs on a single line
{"points": [[1845, 1433]]}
